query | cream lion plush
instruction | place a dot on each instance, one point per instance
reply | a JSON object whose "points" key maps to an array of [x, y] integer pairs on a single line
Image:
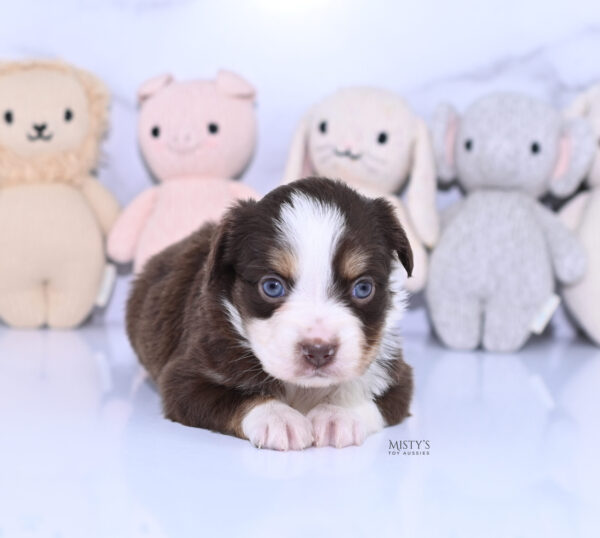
{"points": [[54, 214]]}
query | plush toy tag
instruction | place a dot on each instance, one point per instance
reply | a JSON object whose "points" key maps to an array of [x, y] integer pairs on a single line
{"points": [[107, 285], [543, 317]]}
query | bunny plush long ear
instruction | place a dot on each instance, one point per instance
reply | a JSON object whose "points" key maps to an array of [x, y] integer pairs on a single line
{"points": [[298, 163], [422, 188], [152, 86], [444, 129], [576, 151]]}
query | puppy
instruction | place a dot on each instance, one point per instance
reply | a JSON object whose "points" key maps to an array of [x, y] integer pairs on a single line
{"points": [[279, 324]]}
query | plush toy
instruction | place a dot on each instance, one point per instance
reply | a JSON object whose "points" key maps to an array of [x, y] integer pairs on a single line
{"points": [[370, 139], [492, 275], [582, 215], [195, 136], [53, 213]]}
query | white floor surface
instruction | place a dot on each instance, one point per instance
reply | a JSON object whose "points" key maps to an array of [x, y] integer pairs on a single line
{"points": [[84, 452]]}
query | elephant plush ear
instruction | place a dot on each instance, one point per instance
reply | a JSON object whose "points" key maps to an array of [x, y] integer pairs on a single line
{"points": [[153, 86], [582, 105], [444, 129], [576, 151]]}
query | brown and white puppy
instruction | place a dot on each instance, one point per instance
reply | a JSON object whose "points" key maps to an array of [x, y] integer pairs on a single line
{"points": [[279, 324]]}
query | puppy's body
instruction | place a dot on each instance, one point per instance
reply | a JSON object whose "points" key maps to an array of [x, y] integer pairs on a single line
{"points": [[279, 323]]}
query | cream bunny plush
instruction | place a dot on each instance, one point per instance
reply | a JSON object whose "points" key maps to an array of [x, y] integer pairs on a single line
{"points": [[370, 139], [196, 136], [582, 216], [54, 214]]}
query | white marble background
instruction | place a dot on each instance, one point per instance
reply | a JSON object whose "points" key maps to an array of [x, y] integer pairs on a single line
{"points": [[296, 51]]}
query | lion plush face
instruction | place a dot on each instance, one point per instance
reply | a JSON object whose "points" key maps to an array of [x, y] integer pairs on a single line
{"points": [[38, 122], [52, 118]]}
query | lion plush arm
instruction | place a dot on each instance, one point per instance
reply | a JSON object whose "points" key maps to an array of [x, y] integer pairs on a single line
{"points": [[103, 203]]}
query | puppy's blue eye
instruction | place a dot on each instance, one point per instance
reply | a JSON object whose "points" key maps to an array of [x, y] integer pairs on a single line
{"points": [[273, 287], [362, 289]]}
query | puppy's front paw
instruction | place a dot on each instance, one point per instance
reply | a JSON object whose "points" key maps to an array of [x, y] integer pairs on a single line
{"points": [[276, 425], [337, 426]]}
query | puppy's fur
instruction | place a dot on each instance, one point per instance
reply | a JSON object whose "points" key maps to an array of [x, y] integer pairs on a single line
{"points": [[227, 357]]}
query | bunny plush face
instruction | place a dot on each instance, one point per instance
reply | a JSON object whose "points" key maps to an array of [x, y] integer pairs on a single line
{"points": [[371, 140], [364, 136], [197, 128], [510, 141], [38, 122]]}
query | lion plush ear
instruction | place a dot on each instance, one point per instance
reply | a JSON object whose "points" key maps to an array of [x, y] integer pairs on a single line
{"points": [[422, 188], [153, 86], [298, 163]]}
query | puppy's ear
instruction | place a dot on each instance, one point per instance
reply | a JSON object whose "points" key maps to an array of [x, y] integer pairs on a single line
{"points": [[394, 233], [230, 232]]}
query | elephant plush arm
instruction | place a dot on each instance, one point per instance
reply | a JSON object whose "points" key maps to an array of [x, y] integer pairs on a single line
{"points": [[127, 230], [103, 203], [571, 214], [568, 255]]}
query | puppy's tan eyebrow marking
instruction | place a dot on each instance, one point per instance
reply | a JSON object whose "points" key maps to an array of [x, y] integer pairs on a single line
{"points": [[354, 263], [283, 262]]}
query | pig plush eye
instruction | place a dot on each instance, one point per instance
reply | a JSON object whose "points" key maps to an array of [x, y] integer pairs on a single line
{"points": [[68, 114], [155, 131], [213, 128], [8, 117], [323, 127]]}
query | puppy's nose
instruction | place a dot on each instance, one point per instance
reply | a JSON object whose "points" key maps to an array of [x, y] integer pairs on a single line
{"points": [[40, 127], [318, 352]]}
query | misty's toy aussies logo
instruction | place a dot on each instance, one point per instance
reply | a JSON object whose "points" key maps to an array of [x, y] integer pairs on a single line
{"points": [[409, 448]]}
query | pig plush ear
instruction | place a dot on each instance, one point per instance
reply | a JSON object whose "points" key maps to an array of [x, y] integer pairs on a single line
{"points": [[153, 86], [422, 188], [298, 163], [575, 154], [444, 129], [234, 85]]}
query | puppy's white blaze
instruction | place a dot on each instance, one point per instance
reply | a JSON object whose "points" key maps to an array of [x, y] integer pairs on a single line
{"points": [[311, 229]]}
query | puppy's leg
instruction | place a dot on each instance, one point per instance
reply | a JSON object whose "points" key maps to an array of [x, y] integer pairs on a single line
{"points": [[349, 415], [344, 424], [192, 400]]}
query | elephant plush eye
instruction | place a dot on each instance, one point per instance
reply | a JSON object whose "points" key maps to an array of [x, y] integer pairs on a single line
{"points": [[323, 127], [468, 144], [382, 138], [535, 148]]}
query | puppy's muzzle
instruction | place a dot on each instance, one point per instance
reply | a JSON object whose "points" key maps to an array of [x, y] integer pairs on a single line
{"points": [[318, 352]]}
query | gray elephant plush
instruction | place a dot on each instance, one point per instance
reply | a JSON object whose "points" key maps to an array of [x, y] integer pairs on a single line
{"points": [[492, 275]]}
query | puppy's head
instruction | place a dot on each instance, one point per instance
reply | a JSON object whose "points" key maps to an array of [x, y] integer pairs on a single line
{"points": [[311, 278]]}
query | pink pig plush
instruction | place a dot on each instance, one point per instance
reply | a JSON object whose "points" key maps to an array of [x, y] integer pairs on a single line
{"points": [[196, 136]]}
